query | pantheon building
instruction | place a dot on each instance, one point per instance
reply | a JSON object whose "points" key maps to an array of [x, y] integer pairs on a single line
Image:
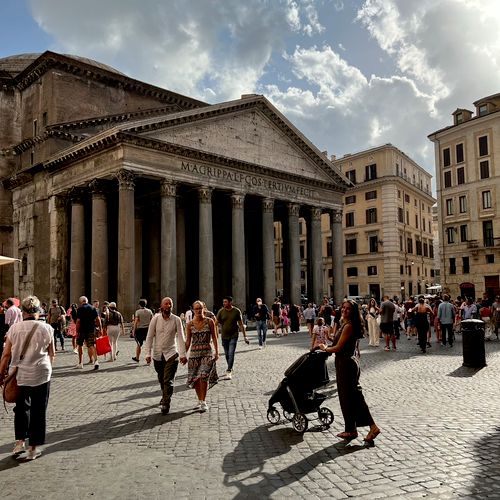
{"points": [[117, 189]]}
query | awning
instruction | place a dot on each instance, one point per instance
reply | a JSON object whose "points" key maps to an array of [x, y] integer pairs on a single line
{"points": [[7, 260]]}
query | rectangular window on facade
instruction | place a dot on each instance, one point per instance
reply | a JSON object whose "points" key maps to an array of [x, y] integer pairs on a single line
{"points": [[350, 246], [330, 272], [370, 172], [431, 251], [349, 200], [449, 206], [401, 249], [401, 269], [407, 198], [372, 270], [302, 251], [418, 247], [488, 237], [461, 175], [400, 215], [352, 271], [373, 241], [484, 169], [483, 145], [459, 151], [416, 221], [409, 245], [353, 289], [426, 250], [447, 179], [407, 217], [371, 216], [450, 234], [349, 219], [446, 157], [399, 193], [329, 248], [423, 223], [463, 232], [486, 197], [453, 265], [415, 203], [351, 175], [370, 195], [462, 204], [483, 109], [490, 258], [465, 265]]}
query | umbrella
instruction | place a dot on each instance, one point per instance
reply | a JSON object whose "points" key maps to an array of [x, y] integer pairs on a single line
{"points": [[7, 260]]}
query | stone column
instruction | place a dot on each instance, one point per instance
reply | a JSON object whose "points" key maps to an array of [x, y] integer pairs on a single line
{"points": [[316, 256], [15, 252], [180, 221], [99, 252], [337, 257], [139, 238], [294, 252], [126, 243], [268, 260], [58, 237], [238, 251], [77, 250], [168, 238], [206, 252]]}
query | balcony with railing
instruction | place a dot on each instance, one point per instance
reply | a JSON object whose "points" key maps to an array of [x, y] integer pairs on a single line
{"points": [[475, 245]]}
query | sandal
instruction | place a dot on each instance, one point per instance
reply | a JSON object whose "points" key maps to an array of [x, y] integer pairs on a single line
{"points": [[372, 434], [347, 436]]}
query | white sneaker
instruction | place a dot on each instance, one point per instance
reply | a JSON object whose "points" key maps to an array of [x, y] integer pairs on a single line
{"points": [[79, 365], [229, 375], [203, 406], [260, 347], [19, 448]]}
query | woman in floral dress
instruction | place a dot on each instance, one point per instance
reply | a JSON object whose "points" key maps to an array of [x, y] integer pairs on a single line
{"points": [[202, 373]]}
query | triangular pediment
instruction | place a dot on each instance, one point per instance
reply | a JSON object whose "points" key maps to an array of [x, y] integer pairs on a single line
{"points": [[247, 135]]}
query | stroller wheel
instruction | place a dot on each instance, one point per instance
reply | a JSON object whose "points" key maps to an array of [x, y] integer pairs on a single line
{"points": [[325, 416], [300, 422], [273, 415], [288, 416]]}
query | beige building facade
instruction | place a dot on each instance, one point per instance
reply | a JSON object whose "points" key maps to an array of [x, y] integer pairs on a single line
{"points": [[117, 189], [387, 224], [467, 162]]}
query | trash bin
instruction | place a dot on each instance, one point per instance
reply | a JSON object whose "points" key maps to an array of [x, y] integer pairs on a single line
{"points": [[473, 343]]}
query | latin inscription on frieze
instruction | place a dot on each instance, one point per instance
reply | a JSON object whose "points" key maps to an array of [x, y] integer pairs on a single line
{"points": [[248, 180]]}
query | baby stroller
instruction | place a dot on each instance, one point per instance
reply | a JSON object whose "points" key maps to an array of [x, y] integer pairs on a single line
{"points": [[297, 392]]}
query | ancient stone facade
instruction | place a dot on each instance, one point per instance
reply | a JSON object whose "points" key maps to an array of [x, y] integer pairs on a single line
{"points": [[121, 190]]}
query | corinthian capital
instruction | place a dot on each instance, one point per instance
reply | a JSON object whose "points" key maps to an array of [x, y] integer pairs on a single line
{"points": [[168, 188], [125, 180], [316, 213], [337, 216], [238, 200], [205, 194], [293, 209], [268, 205]]}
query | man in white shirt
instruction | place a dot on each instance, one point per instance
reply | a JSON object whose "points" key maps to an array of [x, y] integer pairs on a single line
{"points": [[13, 314], [167, 334]]}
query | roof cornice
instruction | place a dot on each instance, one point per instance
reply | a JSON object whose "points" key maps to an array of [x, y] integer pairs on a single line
{"points": [[50, 60]]}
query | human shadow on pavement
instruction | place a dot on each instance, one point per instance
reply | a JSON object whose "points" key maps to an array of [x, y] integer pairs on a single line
{"points": [[244, 467], [117, 426], [487, 451]]}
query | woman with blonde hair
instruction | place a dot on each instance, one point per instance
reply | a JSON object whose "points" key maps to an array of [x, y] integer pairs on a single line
{"points": [[200, 334], [30, 349]]}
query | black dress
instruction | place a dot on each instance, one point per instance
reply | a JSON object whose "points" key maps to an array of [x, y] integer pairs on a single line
{"points": [[352, 402], [422, 324], [293, 316]]}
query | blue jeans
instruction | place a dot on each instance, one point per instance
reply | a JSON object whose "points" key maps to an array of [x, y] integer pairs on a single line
{"points": [[229, 349], [262, 330]]}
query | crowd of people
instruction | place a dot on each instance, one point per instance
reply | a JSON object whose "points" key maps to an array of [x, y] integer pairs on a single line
{"points": [[30, 332]]}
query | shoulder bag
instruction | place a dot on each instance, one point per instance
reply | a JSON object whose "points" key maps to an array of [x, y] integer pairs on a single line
{"points": [[10, 387]]}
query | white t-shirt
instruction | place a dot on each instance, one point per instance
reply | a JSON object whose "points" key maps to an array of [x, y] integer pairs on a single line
{"points": [[35, 368]]}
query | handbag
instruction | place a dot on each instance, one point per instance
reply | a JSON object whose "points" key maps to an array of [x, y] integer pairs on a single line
{"points": [[10, 388], [102, 345]]}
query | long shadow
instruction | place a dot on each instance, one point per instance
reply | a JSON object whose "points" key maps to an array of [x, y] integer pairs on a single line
{"points": [[81, 436], [464, 372], [71, 372], [251, 455], [487, 451]]}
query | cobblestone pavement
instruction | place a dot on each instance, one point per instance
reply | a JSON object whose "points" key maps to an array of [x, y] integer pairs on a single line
{"points": [[107, 439]]}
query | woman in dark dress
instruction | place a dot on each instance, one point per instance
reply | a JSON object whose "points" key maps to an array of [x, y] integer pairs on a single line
{"points": [[352, 402], [293, 316]]}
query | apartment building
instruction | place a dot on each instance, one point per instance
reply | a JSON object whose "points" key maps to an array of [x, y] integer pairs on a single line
{"points": [[387, 226], [468, 190]]}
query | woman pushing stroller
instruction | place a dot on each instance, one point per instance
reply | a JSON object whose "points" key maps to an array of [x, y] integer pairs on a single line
{"points": [[352, 402]]}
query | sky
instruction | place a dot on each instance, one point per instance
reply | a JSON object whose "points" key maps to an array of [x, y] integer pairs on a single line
{"points": [[350, 75]]}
